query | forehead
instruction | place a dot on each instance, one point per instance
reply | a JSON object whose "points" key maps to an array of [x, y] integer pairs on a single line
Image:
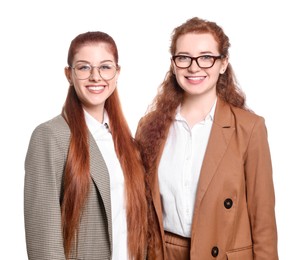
{"points": [[196, 43], [94, 52]]}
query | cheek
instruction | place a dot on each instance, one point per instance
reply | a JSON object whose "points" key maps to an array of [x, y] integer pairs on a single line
{"points": [[74, 79], [180, 80], [178, 77], [215, 72], [179, 73], [78, 87], [113, 85], [114, 82], [215, 77]]}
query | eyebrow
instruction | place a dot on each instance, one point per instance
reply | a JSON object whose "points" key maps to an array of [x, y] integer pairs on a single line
{"points": [[201, 53], [85, 61]]}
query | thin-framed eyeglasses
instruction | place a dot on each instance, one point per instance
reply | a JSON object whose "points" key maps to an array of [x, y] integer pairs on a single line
{"points": [[84, 71], [203, 61]]}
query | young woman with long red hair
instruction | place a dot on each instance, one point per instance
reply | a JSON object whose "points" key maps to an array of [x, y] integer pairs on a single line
{"points": [[206, 157], [84, 179]]}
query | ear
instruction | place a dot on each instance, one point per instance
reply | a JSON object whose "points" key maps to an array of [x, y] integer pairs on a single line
{"points": [[68, 74], [117, 73], [224, 66], [172, 66]]}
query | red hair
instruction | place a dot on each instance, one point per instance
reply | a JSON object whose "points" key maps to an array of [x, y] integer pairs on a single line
{"points": [[77, 170], [170, 94]]}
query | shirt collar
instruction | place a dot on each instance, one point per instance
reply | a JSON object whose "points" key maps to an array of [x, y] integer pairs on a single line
{"points": [[96, 128]]}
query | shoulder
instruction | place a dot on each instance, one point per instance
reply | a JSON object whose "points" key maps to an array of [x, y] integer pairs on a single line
{"points": [[57, 122], [247, 119], [245, 122], [56, 125], [55, 130], [49, 142], [246, 116], [227, 115], [249, 126]]}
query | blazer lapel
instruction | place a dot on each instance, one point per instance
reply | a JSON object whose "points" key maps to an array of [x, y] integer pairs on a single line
{"points": [[221, 132], [100, 176]]}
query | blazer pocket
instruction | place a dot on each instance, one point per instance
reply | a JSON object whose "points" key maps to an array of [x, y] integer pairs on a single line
{"points": [[245, 253]]}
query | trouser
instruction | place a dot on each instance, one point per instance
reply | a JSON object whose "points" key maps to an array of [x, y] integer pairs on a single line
{"points": [[177, 247]]}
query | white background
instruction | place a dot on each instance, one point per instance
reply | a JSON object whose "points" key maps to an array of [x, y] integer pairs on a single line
{"points": [[35, 36]]}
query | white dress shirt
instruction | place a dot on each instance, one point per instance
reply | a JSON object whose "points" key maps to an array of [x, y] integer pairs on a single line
{"points": [[103, 138], [179, 171]]}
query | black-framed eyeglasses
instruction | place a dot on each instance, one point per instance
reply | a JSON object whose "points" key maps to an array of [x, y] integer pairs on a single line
{"points": [[83, 71], [203, 61]]}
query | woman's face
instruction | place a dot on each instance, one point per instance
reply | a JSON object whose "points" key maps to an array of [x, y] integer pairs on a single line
{"points": [[93, 89], [196, 81]]}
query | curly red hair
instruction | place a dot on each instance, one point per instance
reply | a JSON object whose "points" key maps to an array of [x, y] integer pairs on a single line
{"points": [[153, 129]]}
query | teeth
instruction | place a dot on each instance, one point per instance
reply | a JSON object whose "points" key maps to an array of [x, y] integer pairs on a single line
{"points": [[95, 88], [196, 78]]}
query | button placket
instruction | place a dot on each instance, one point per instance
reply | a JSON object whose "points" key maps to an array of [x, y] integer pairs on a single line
{"points": [[187, 172]]}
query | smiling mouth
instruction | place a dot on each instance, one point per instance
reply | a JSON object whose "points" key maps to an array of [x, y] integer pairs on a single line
{"points": [[95, 88], [194, 78]]}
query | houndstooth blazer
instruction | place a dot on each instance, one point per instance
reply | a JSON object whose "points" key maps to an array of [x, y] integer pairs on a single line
{"points": [[44, 168]]}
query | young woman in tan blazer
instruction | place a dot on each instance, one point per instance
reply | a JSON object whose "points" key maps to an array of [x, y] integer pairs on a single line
{"points": [[207, 157], [84, 179]]}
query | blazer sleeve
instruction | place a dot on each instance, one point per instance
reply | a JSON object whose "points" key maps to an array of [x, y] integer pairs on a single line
{"points": [[260, 194], [44, 166]]}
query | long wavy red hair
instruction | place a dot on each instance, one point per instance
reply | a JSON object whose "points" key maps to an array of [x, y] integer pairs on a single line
{"points": [[153, 129], [77, 170]]}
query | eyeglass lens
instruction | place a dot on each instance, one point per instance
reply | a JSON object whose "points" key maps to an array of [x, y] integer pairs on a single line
{"points": [[204, 61], [84, 71]]}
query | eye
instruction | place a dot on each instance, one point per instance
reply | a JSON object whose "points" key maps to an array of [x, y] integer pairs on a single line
{"points": [[106, 67], [205, 57], [83, 67], [183, 58]]}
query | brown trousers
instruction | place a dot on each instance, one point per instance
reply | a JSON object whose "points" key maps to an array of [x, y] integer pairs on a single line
{"points": [[177, 247]]}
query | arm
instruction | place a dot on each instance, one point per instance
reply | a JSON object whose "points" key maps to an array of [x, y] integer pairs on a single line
{"points": [[44, 165], [260, 194]]}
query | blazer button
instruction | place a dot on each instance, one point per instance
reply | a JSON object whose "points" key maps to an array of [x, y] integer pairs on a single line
{"points": [[228, 203], [214, 251]]}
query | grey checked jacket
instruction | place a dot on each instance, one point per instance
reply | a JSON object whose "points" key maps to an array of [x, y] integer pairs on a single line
{"points": [[44, 168]]}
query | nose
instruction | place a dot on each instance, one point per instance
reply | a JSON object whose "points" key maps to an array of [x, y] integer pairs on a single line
{"points": [[95, 74], [194, 66]]}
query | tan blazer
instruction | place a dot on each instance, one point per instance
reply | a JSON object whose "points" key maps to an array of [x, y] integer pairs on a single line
{"points": [[234, 214], [44, 167]]}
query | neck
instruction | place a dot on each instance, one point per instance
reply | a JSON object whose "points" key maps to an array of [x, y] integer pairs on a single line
{"points": [[97, 113], [195, 110]]}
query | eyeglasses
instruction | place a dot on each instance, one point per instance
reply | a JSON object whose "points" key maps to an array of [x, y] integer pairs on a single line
{"points": [[84, 71], [203, 61]]}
